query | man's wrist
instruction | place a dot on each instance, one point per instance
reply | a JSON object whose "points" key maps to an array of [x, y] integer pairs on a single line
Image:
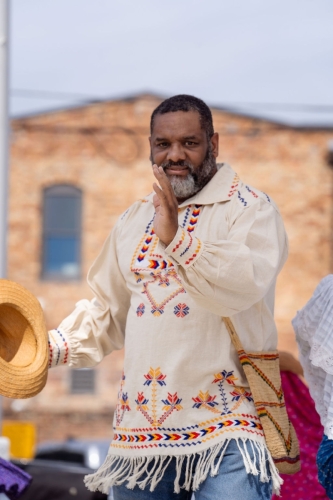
{"points": [[171, 232], [59, 348], [185, 249], [167, 241]]}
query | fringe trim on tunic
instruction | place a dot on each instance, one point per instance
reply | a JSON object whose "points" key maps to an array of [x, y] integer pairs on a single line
{"points": [[116, 470]]}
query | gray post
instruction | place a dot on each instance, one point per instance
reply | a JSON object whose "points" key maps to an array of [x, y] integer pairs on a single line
{"points": [[4, 137], [4, 134]]}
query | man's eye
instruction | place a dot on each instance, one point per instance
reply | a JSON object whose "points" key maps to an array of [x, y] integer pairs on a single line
{"points": [[162, 145], [190, 143]]}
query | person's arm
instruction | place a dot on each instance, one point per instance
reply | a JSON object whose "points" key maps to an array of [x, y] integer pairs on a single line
{"points": [[288, 363], [97, 327], [230, 275]]}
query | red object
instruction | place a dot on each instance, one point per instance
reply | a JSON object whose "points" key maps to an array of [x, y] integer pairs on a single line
{"points": [[303, 485]]}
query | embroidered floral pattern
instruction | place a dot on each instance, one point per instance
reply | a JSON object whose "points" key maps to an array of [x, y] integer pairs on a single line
{"points": [[164, 280], [155, 379], [140, 310], [205, 400], [220, 379], [225, 376], [171, 403], [154, 376], [181, 310], [238, 395], [157, 308], [122, 403]]}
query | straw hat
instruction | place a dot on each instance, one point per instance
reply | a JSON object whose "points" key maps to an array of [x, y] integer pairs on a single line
{"points": [[23, 342]]}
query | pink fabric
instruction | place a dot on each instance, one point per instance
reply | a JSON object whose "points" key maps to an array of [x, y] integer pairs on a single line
{"points": [[301, 410]]}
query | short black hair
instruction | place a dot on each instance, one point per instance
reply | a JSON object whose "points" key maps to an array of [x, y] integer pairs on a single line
{"points": [[184, 102]]}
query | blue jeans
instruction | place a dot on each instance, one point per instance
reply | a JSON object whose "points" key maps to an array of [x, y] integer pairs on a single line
{"points": [[231, 483], [325, 465]]}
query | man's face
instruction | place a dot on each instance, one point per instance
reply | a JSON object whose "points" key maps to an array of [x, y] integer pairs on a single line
{"points": [[180, 145]]}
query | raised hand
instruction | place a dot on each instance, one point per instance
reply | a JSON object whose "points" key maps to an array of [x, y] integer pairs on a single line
{"points": [[166, 207]]}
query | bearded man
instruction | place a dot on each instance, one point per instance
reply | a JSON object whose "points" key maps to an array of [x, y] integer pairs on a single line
{"points": [[203, 246]]}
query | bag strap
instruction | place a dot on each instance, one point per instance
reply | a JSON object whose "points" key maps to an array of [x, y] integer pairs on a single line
{"points": [[233, 334]]}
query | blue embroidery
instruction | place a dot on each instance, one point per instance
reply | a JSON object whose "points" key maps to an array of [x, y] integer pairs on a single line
{"points": [[242, 199]]}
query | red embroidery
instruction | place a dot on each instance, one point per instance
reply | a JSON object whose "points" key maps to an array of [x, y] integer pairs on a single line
{"points": [[181, 310], [195, 253], [234, 186], [140, 310], [155, 378]]}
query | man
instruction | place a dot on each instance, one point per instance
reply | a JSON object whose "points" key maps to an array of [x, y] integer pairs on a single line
{"points": [[202, 246]]}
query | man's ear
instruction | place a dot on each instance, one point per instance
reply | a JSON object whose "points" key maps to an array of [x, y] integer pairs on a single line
{"points": [[215, 144], [151, 154]]}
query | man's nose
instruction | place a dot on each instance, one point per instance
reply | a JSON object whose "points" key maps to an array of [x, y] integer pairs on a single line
{"points": [[176, 153]]}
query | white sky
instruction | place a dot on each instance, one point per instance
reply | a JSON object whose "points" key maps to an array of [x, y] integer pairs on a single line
{"points": [[226, 52]]}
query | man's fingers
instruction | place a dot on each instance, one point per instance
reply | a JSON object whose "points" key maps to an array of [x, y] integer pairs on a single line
{"points": [[156, 203], [160, 200], [165, 184], [161, 177], [159, 191], [162, 190]]}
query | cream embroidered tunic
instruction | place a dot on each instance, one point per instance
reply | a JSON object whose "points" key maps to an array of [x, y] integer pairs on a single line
{"points": [[183, 390]]}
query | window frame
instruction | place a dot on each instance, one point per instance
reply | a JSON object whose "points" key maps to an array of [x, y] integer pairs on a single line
{"points": [[61, 189]]}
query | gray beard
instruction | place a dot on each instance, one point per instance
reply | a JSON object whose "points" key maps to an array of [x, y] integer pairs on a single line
{"points": [[183, 188], [196, 179]]}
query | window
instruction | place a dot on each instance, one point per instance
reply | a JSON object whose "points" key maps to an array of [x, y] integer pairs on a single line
{"points": [[62, 232], [83, 381]]}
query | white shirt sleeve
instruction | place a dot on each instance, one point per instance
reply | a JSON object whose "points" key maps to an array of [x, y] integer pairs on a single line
{"points": [[229, 276], [97, 327]]}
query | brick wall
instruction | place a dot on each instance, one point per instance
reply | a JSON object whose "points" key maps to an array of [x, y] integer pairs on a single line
{"points": [[103, 150]]}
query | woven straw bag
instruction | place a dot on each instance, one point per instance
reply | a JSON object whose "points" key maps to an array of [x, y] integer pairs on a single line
{"points": [[262, 371]]}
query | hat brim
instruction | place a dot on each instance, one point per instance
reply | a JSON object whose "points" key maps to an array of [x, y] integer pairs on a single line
{"points": [[24, 375]]}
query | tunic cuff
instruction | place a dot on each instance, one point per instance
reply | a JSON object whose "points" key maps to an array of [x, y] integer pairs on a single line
{"points": [[59, 348], [185, 249]]}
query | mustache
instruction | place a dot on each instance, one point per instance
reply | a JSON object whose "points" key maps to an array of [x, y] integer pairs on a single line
{"points": [[180, 163]]}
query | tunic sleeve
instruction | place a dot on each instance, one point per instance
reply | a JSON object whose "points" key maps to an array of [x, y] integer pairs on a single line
{"points": [[95, 328], [230, 275]]}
